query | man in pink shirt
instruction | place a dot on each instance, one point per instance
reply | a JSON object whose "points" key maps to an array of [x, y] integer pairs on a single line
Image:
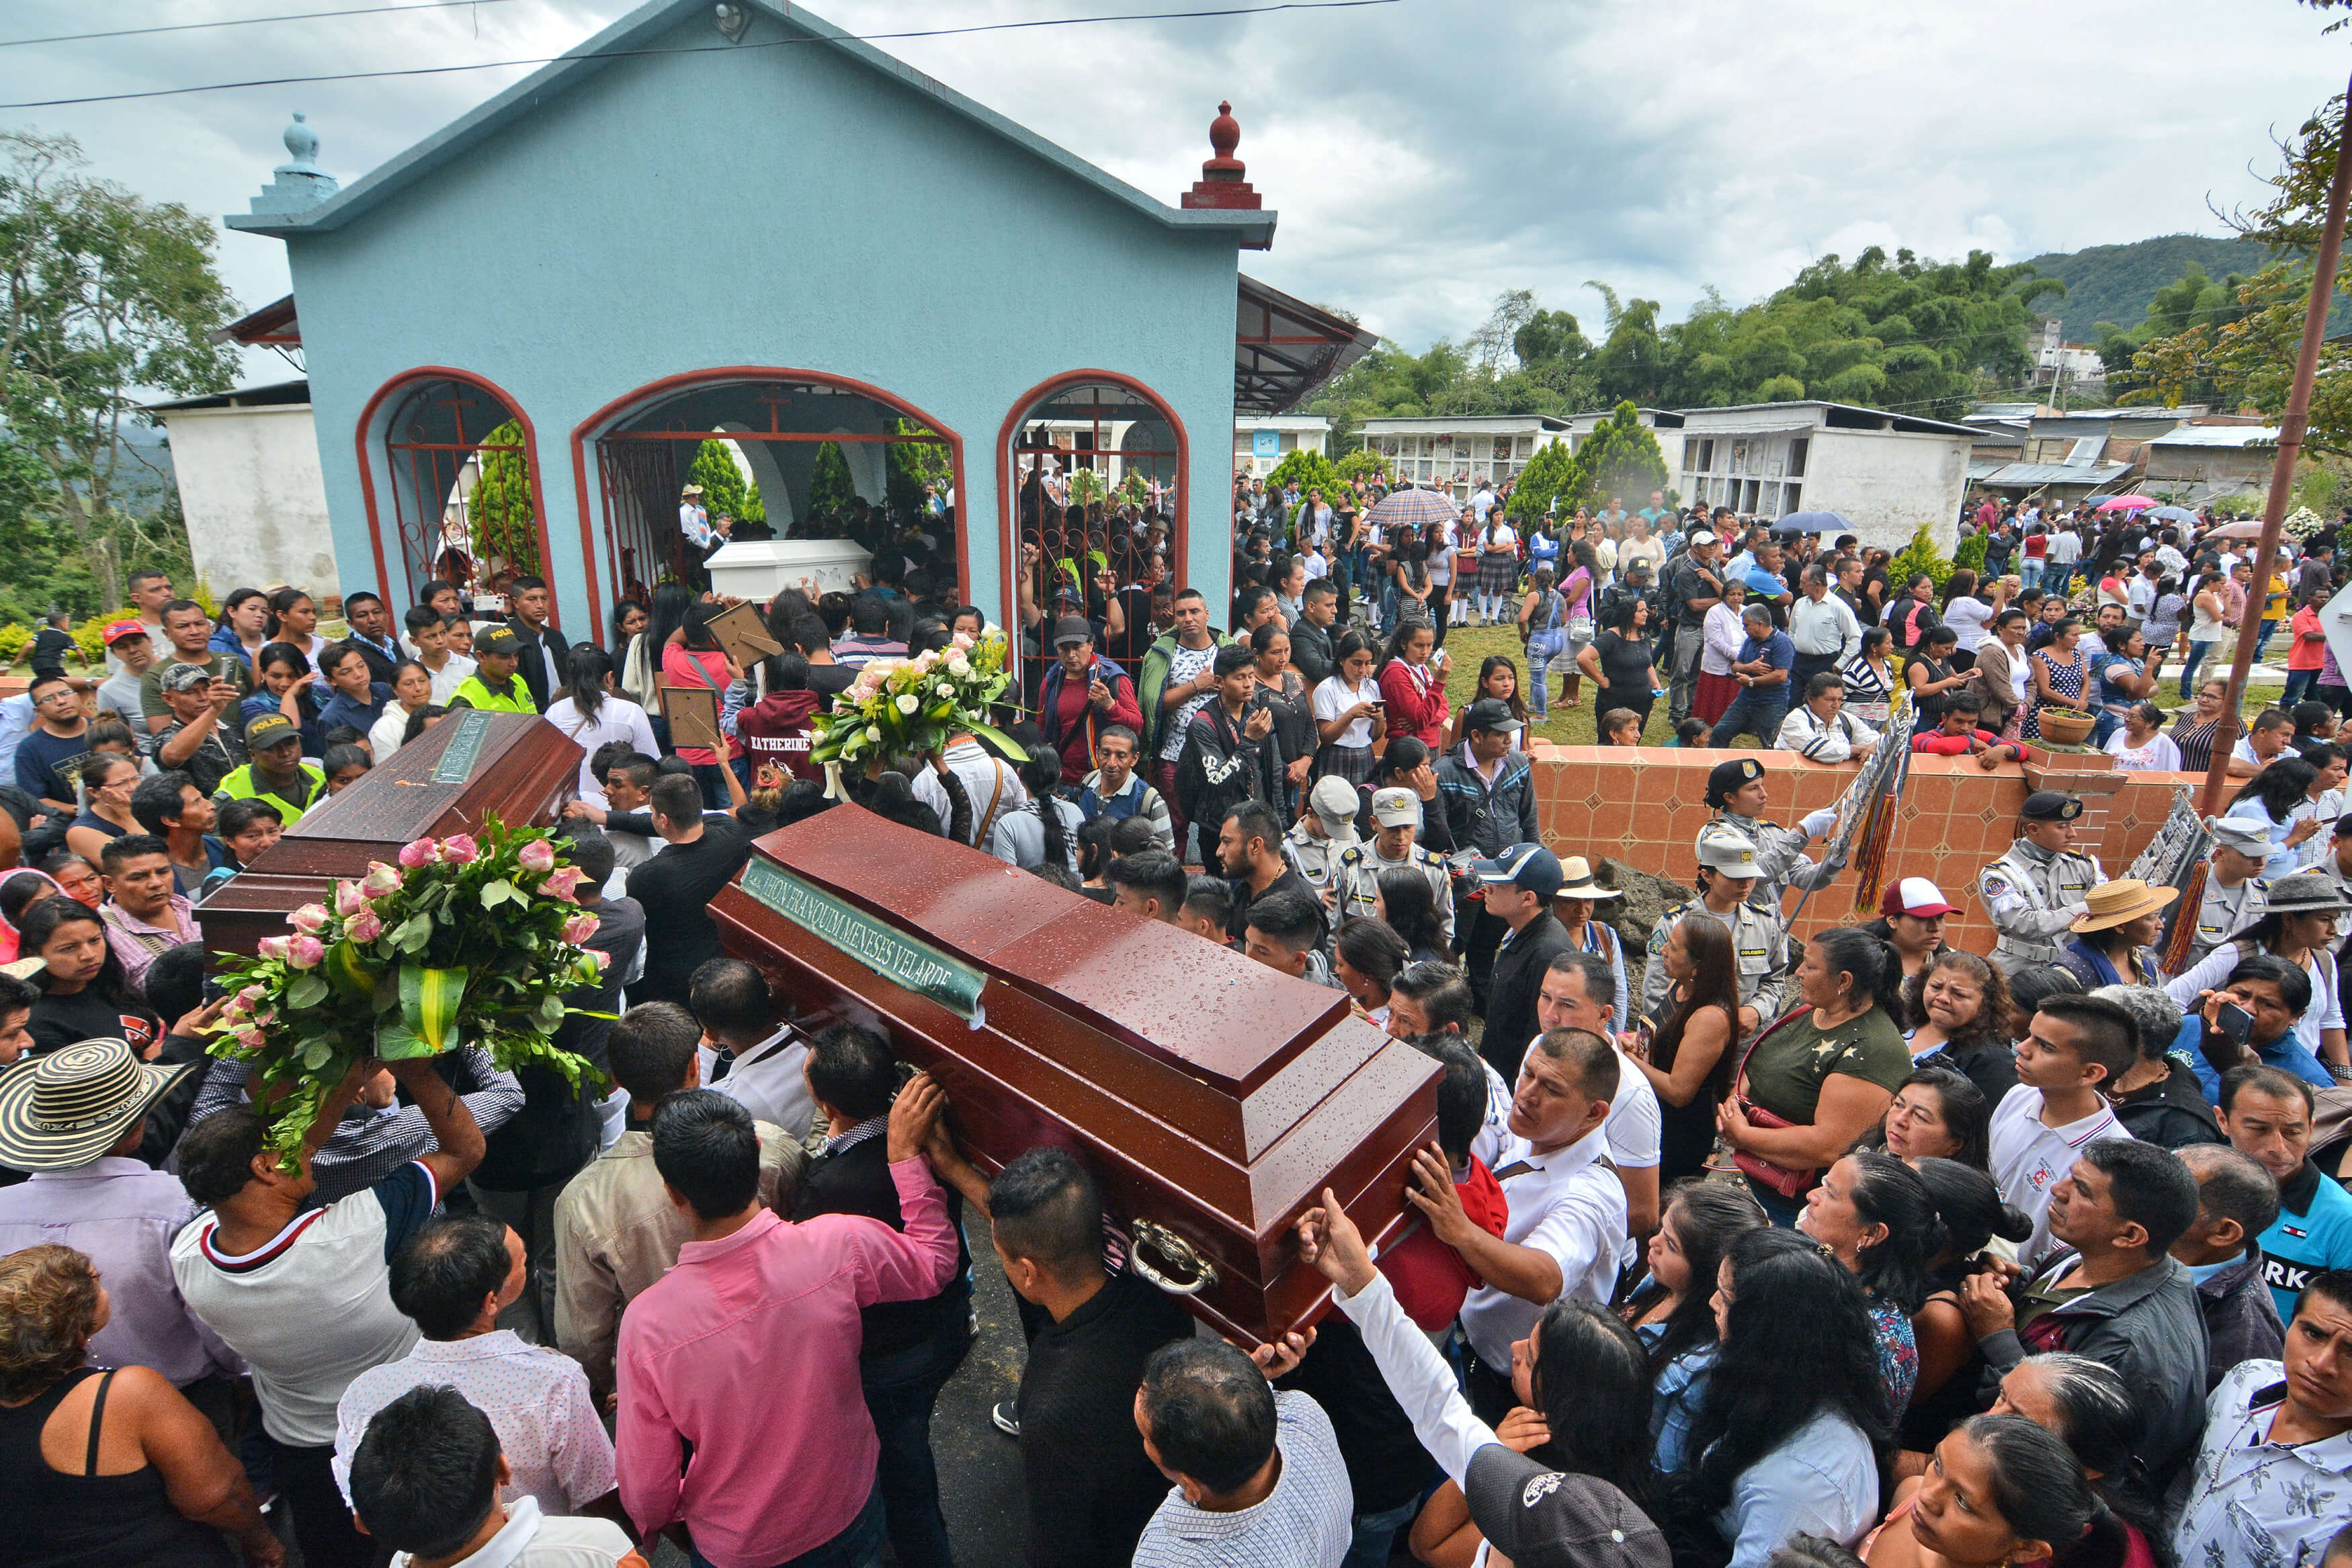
{"points": [[746, 1349]]}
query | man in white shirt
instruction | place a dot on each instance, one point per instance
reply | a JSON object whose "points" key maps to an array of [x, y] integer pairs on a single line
{"points": [[1567, 1225], [452, 1278], [1578, 993], [763, 1055], [2074, 1046], [1482, 503], [992, 787], [1824, 628], [304, 1294], [1820, 729]]}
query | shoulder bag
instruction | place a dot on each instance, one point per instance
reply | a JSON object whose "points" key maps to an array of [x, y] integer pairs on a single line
{"points": [[1781, 1179]]}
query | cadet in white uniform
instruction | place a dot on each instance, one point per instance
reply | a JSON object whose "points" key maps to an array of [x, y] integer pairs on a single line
{"points": [[2042, 886], [1328, 827], [2236, 892], [1356, 869], [1736, 791], [1728, 883]]}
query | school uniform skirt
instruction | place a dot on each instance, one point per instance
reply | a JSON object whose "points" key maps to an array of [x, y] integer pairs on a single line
{"points": [[1498, 573], [1352, 763]]}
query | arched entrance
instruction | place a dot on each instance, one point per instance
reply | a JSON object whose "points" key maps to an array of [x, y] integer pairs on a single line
{"points": [[635, 453], [1090, 462], [454, 464]]}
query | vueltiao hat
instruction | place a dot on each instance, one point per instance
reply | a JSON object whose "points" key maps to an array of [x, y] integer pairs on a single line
{"points": [[61, 1111]]}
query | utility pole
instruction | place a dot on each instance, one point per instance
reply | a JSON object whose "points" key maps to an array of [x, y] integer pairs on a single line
{"points": [[2290, 446]]}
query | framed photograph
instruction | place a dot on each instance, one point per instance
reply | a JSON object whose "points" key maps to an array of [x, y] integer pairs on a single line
{"points": [[745, 636], [693, 715]]}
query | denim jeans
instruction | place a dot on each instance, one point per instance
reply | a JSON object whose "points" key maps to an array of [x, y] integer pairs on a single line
{"points": [[858, 1546], [2029, 573], [2300, 685], [1543, 647], [1782, 1211], [2196, 652], [1374, 1534], [900, 1390], [1752, 711]]}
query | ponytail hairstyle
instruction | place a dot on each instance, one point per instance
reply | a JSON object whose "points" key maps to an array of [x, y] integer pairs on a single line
{"points": [[1888, 1192], [1041, 773], [2043, 1494], [282, 600], [1408, 623], [590, 666], [1873, 967], [1970, 1207]]}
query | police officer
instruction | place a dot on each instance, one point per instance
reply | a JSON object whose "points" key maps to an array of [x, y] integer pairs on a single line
{"points": [[1325, 829], [2236, 892], [1729, 884], [1356, 869], [1736, 791], [2041, 887]]}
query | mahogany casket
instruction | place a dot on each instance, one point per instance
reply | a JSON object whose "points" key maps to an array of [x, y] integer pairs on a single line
{"points": [[1212, 1098], [444, 782]]}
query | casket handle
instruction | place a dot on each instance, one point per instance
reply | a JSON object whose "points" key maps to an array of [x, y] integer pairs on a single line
{"points": [[1176, 1251]]}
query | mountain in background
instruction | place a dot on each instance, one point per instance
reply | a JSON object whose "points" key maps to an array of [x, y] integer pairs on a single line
{"points": [[2112, 282]]}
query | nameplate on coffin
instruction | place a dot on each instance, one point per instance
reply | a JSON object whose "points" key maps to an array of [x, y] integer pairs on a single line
{"points": [[889, 953]]}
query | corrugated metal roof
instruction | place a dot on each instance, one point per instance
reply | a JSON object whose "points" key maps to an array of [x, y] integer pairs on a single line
{"points": [[2220, 435], [2092, 473], [1985, 470]]}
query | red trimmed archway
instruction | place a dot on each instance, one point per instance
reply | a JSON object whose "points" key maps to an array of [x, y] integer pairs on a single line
{"points": [[607, 421], [1135, 405], [419, 434]]}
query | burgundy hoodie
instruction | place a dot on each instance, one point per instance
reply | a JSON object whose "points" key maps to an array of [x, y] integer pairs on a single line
{"points": [[776, 729]]}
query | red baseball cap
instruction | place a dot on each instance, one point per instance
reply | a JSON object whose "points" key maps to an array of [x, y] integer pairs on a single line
{"points": [[1916, 898], [116, 631]]}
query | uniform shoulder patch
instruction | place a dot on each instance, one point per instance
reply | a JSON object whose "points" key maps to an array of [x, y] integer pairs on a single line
{"points": [[1993, 883]]}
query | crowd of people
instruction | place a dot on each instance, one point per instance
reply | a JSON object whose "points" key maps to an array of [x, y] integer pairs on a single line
{"points": [[1736, 1250]]}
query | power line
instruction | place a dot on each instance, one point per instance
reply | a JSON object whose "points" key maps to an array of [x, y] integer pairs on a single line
{"points": [[713, 49], [242, 22]]}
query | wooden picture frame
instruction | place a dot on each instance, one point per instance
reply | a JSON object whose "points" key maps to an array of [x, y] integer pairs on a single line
{"points": [[692, 713], [745, 636]]}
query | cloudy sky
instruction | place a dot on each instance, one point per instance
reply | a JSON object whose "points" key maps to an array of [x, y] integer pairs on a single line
{"points": [[1424, 155]]}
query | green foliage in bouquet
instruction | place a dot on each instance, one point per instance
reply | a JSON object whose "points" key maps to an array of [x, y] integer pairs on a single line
{"points": [[907, 708], [469, 940]]}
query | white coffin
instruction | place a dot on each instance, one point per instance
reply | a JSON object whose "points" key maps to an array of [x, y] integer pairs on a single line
{"points": [[761, 568]]}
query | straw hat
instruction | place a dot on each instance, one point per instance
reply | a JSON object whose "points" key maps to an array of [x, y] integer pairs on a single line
{"points": [[2126, 898], [63, 1110], [1576, 881]]}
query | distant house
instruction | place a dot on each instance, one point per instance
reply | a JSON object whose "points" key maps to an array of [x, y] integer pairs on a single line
{"points": [[2197, 462], [1886, 473], [1460, 452], [1262, 440], [247, 464]]}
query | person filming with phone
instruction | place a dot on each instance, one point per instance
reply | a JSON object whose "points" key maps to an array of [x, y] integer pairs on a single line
{"points": [[2250, 1022]]}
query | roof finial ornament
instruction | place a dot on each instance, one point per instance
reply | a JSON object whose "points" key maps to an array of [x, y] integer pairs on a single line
{"points": [[299, 184], [1222, 183]]}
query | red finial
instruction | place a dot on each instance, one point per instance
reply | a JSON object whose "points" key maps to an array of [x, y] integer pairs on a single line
{"points": [[1221, 183], [1225, 135]]}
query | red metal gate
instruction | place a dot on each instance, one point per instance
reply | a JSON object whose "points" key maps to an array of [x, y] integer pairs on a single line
{"points": [[433, 445], [1072, 531], [641, 483]]}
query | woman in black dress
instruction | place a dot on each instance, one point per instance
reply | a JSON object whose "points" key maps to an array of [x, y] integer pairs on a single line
{"points": [[1618, 662], [1686, 1048]]}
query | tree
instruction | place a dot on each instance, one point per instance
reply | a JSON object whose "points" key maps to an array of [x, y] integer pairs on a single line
{"points": [[1361, 465], [1620, 457], [830, 487], [913, 468], [1551, 475], [106, 293], [723, 489], [502, 511], [1309, 470]]}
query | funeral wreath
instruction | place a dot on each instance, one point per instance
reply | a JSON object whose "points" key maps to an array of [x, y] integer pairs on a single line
{"points": [[472, 939]]}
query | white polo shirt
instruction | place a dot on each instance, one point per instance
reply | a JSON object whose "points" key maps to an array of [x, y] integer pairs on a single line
{"points": [[311, 1309], [767, 1081], [1568, 1205], [2029, 1159]]}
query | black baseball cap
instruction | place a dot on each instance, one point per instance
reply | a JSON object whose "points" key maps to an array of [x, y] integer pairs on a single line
{"points": [[1072, 629], [1541, 1517]]}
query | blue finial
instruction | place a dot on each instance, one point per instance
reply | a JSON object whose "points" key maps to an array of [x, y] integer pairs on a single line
{"points": [[299, 184]]}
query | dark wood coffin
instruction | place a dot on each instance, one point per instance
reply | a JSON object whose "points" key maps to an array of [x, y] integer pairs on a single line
{"points": [[444, 782], [1212, 1098]]}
